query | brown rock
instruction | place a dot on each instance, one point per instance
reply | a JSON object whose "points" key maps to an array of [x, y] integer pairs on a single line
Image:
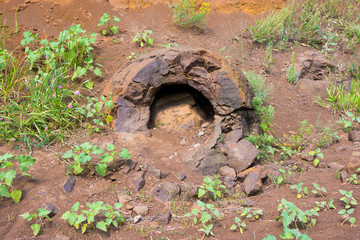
{"points": [[344, 176], [261, 171], [188, 191], [166, 191], [252, 184], [354, 136], [60, 236], [164, 219], [124, 198], [228, 172], [138, 180], [141, 210], [336, 166], [304, 155], [353, 163], [52, 208], [241, 155]]}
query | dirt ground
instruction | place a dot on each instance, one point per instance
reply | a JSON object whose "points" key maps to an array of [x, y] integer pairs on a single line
{"points": [[160, 147]]}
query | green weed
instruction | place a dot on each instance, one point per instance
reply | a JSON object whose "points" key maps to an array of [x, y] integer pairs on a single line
{"points": [[143, 39], [350, 202], [186, 14], [105, 19], [211, 188], [42, 213], [291, 74]]}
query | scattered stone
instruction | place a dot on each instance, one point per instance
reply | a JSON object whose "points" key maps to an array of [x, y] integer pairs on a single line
{"points": [[304, 155], [241, 154], [252, 184], [201, 133], [181, 177], [124, 198], [60, 236], [138, 180], [196, 145], [154, 171], [183, 142], [315, 88], [234, 136], [211, 163], [247, 202], [164, 219], [52, 208], [188, 191], [141, 210], [336, 166], [301, 167], [228, 172], [166, 191], [205, 125], [354, 136], [137, 218], [322, 165], [69, 184], [261, 171], [344, 176], [129, 165], [229, 182], [118, 163], [354, 163], [314, 65]]}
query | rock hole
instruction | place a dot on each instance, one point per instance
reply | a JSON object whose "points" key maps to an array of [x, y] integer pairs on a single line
{"points": [[179, 107]]}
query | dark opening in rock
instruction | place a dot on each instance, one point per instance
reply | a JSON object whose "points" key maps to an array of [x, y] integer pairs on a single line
{"points": [[179, 107]]}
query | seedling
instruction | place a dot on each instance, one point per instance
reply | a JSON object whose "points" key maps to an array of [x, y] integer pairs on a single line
{"points": [[82, 156], [318, 190], [353, 179], [7, 177], [324, 205], [187, 15], [143, 39], [302, 191], [283, 178], [169, 45], [212, 187], [42, 213], [206, 215], [348, 121], [238, 225], [88, 217], [349, 201], [317, 153], [105, 19], [254, 215], [291, 74]]}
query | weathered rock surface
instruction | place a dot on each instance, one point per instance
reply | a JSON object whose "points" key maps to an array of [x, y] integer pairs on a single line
{"points": [[134, 87], [304, 155], [353, 163], [354, 136], [52, 208], [228, 172], [252, 184], [336, 166], [69, 183], [188, 191], [124, 198], [138, 180], [166, 191], [260, 170], [141, 210], [164, 219], [241, 154]]}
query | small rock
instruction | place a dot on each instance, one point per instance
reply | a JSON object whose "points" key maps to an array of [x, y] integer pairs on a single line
{"points": [[234, 136], [336, 166], [141, 210], [138, 180], [164, 219], [252, 184], [344, 176], [305, 153], [137, 218], [354, 163], [322, 165], [241, 154], [229, 182], [196, 145], [181, 177], [247, 202], [201, 133], [188, 191], [183, 142], [261, 171], [124, 198], [301, 167], [205, 125], [354, 136], [228, 172], [166, 191], [69, 184], [52, 208], [129, 165]]}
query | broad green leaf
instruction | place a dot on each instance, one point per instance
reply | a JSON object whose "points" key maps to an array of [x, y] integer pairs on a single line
{"points": [[43, 212], [8, 176], [104, 19], [6, 157], [36, 228], [116, 19], [97, 107], [75, 207], [68, 154], [16, 195], [269, 237], [81, 218], [109, 119], [109, 104], [89, 84], [118, 205], [27, 216], [4, 192], [233, 227], [106, 158], [25, 161], [124, 153], [97, 72], [83, 228], [102, 226], [101, 169], [205, 217], [110, 147], [201, 192]]}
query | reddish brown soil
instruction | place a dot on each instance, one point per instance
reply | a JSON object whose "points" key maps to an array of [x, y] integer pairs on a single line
{"points": [[292, 106]]}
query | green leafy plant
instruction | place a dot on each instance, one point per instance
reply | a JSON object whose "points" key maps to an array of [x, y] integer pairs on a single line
{"points": [[291, 74], [212, 188], [42, 213], [348, 121], [206, 214], [239, 224], [317, 153], [254, 215], [169, 45], [105, 19], [353, 179], [283, 178], [143, 39], [186, 14], [318, 190], [269, 56], [350, 202], [81, 157], [7, 176], [88, 217], [302, 191], [325, 205]]}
